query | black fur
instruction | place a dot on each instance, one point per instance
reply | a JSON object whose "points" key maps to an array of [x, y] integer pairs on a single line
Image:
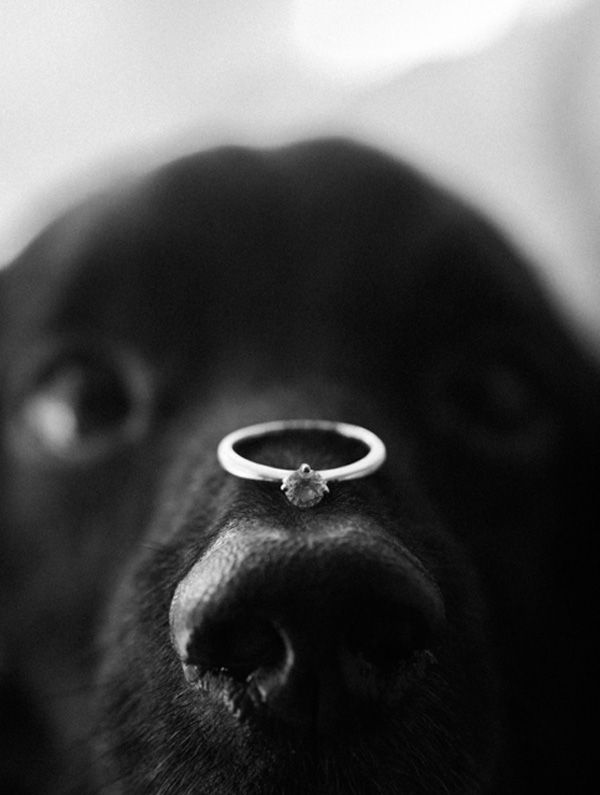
{"points": [[319, 280]]}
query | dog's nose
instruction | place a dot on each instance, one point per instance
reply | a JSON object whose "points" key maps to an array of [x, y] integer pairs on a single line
{"points": [[314, 631]]}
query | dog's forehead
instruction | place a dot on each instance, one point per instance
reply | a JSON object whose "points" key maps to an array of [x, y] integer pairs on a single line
{"points": [[298, 249]]}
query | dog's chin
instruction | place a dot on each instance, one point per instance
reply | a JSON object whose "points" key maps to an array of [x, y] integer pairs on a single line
{"points": [[210, 732], [388, 755], [414, 747]]}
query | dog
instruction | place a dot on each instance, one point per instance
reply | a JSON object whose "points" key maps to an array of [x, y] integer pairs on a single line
{"points": [[171, 627]]}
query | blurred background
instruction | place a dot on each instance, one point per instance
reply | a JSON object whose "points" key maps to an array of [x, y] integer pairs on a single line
{"points": [[498, 98]]}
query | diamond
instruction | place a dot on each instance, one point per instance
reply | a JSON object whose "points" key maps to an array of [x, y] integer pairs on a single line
{"points": [[304, 487]]}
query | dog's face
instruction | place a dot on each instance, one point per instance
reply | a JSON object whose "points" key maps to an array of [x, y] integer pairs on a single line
{"points": [[168, 627]]}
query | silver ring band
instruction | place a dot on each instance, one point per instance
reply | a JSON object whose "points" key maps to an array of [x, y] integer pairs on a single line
{"points": [[304, 487]]}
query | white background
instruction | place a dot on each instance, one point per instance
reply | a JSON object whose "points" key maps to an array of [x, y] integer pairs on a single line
{"points": [[500, 99]]}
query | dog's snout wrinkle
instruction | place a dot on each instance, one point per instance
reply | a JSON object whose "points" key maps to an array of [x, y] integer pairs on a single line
{"points": [[313, 630]]}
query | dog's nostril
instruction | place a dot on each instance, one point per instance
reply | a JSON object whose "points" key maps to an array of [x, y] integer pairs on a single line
{"points": [[383, 639], [238, 646]]}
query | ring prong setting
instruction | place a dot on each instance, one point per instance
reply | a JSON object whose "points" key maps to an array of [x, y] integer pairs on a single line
{"points": [[304, 487]]}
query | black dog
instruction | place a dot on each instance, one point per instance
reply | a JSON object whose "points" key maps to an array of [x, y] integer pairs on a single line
{"points": [[424, 629]]}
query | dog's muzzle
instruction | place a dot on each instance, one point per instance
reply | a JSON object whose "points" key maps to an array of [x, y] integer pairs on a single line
{"points": [[304, 487]]}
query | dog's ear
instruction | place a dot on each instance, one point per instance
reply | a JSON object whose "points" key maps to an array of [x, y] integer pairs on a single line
{"points": [[567, 562], [3, 300], [20, 728]]}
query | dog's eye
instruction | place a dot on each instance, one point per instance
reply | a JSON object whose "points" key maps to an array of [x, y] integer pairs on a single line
{"points": [[81, 406], [492, 404], [495, 396]]}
